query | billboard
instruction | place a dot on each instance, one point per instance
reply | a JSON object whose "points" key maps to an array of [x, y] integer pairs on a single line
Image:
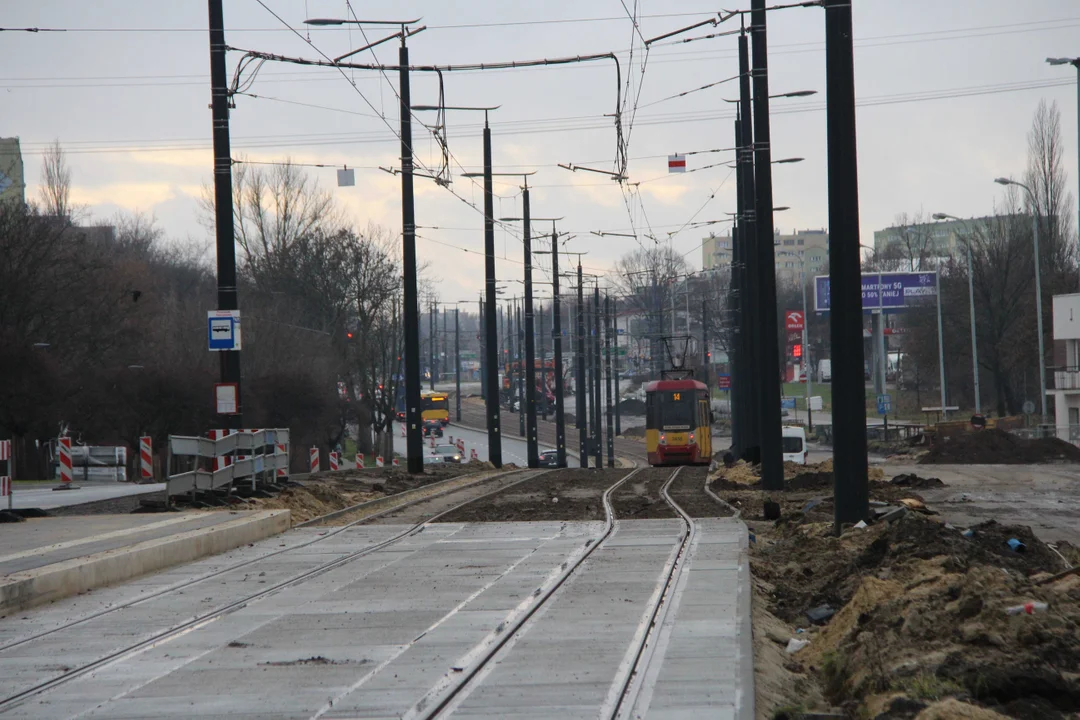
{"points": [[885, 292]]}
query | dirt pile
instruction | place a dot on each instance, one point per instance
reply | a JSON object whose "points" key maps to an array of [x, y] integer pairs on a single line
{"points": [[811, 476], [632, 406], [912, 480], [637, 431], [914, 617], [312, 500], [997, 447]]}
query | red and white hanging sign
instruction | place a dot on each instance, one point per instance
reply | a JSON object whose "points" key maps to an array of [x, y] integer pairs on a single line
{"points": [[676, 163]]}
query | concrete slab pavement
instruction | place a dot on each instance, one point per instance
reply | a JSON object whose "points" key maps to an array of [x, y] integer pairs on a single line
{"points": [[372, 637]]}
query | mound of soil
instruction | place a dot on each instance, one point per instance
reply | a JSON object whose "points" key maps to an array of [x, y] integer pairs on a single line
{"points": [[920, 616], [997, 447], [914, 481], [634, 432], [632, 406]]}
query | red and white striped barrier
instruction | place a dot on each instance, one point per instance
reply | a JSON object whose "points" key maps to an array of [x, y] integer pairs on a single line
{"points": [[5, 480], [313, 457], [146, 458], [472, 455], [396, 463], [221, 463], [432, 441], [461, 446], [402, 431], [379, 461], [65, 461], [333, 462], [359, 461], [283, 449]]}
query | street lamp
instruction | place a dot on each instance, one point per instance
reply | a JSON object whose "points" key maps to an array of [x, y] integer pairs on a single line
{"points": [[971, 302], [1075, 62], [1038, 287]]}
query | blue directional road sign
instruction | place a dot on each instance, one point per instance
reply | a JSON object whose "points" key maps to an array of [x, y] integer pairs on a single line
{"points": [[787, 403], [884, 404], [223, 329]]}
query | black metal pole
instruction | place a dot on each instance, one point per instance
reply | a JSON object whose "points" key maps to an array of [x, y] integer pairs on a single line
{"points": [[521, 369], [529, 377], [229, 360], [618, 391], [772, 456], [590, 414], [431, 347], [580, 396], [737, 313], [610, 404], [597, 381], [445, 336], [492, 350], [706, 356], [414, 437], [457, 365], [542, 356], [480, 337], [749, 238], [845, 283], [556, 334]]}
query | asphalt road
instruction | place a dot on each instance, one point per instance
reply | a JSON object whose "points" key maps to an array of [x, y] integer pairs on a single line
{"points": [[45, 497]]}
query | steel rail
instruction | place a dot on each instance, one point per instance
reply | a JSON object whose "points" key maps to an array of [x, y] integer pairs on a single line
{"points": [[194, 623]]}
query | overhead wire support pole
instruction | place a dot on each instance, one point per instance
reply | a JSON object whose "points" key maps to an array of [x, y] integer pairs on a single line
{"points": [[533, 452], [414, 429], [519, 339], [556, 335], [772, 457], [494, 438], [580, 396], [610, 404], [457, 365], [851, 488], [748, 299], [227, 299], [598, 437]]}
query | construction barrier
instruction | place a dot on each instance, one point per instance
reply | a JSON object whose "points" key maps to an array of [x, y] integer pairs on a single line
{"points": [[146, 459], [396, 462], [461, 446], [5, 480], [402, 431], [359, 461], [379, 461], [472, 454], [221, 462], [313, 459], [284, 449], [260, 460], [65, 462], [333, 462], [432, 441]]}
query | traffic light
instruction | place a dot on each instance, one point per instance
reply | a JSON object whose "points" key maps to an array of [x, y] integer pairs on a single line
{"points": [[349, 336]]}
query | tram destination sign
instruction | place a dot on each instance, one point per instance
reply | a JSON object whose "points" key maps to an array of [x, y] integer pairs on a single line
{"points": [[883, 292]]}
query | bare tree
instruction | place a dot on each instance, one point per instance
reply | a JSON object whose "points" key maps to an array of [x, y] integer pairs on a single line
{"points": [[1048, 182], [56, 181]]}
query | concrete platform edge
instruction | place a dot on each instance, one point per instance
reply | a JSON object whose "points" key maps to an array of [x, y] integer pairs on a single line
{"points": [[744, 705], [23, 590]]}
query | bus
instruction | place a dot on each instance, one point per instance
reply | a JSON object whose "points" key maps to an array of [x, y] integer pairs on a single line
{"points": [[435, 406]]}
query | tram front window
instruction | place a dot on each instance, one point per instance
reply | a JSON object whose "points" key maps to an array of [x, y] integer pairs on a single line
{"points": [[677, 411]]}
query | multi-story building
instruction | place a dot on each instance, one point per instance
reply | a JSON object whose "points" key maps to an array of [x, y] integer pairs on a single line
{"points": [[803, 250], [921, 245], [12, 182]]}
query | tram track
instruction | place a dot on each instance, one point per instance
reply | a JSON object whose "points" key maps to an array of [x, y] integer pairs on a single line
{"points": [[17, 698]]}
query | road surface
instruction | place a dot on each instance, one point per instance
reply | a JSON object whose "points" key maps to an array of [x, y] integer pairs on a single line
{"points": [[45, 497]]}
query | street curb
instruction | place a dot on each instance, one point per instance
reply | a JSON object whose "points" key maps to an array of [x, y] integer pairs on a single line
{"points": [[22, 590]]}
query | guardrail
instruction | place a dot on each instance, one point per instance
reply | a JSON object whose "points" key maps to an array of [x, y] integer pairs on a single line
{"points": [[257, 455]]}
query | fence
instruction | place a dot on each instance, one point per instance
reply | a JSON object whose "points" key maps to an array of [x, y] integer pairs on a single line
{"points": [[262, 460]]}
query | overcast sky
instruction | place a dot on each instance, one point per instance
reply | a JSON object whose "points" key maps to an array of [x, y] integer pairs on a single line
{"points": [[946, 91]]}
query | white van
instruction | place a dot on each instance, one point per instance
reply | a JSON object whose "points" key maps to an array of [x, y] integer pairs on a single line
{"points": [[793, 443], [825, 370]]}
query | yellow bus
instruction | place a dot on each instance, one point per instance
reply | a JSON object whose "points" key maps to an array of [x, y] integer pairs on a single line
{"points": [[435, 406]]}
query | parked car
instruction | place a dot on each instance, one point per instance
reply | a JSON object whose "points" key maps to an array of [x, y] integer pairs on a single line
{"points": [[793, 443], [549, 458], [433, 428], [448, 453]]}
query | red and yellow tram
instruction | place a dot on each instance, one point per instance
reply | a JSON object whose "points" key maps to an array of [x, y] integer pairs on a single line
{"points": [[678, 430]]}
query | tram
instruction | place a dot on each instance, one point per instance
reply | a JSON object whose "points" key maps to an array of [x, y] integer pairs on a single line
{"points": [[678, 430]]}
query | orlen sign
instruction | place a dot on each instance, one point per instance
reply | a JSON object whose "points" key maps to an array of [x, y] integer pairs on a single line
{"points": [[793, 320]]}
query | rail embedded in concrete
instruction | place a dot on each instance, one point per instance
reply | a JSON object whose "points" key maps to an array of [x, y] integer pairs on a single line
{"points": [[21, 697]]}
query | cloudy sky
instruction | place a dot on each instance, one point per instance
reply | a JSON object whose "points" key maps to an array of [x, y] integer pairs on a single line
{"points": [[946, 92]]}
